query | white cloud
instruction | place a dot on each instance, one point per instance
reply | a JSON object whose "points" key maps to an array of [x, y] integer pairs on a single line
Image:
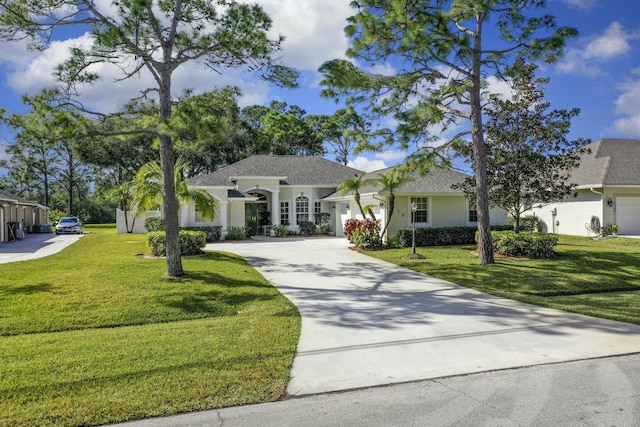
{"points": [[391, 156], [597, 49], [627, 105], [581, 4], [314, 30], [499, 87], [367, 165], [314, 34]]}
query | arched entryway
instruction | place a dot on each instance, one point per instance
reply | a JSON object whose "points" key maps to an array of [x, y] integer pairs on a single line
{"points": [[256, 213]]}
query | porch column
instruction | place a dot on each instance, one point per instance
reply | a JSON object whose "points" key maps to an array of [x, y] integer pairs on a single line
{"points": [[275, 209], [224, 217], [3, 225], [184, 215]]}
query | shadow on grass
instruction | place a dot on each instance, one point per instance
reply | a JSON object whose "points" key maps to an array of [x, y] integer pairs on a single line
{"points": [[29, 289]]}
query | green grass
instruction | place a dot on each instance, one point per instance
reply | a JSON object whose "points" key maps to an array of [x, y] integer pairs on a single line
{"points": [[595, 277], [94, 335]]}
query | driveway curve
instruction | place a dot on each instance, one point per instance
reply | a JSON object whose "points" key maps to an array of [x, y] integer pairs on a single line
{"points": [[35, 246], [366, 322]]}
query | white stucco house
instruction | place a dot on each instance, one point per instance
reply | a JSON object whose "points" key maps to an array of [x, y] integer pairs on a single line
{"points": [[608, 191], [290, 189]]}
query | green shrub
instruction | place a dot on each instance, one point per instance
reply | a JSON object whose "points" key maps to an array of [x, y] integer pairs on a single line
{"points": [[527, 223], [154, 223], [280, 230], [252, 228], [324, 229], [191, 242], [526, 243], [213, 233], [307, 228], [441, 236], [236, 233]]}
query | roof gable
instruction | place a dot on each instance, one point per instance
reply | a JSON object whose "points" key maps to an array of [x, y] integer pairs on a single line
{"points": [[611, 162], [291, 170]]}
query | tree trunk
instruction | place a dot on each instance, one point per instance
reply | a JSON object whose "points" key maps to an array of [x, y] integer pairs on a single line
{"points": [[70, 184], [167, 164], [391, 203], [485, 244]]}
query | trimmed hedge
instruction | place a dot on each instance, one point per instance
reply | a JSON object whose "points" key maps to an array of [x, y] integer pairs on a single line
{"points": [[527, 223], [526, 243], [154, 223], [191, 242], [236, 233], [307, 228], [443, 236], [213, 233]]}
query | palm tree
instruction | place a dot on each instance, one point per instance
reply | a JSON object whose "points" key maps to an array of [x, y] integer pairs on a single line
{"points": [[352, 186], [147, 190], [390, 182], [124, 194]]}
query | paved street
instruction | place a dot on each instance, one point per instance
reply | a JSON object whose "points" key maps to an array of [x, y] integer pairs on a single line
{"points": [[601, 392]]}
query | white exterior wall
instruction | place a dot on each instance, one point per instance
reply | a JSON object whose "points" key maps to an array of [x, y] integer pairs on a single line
{"points": [[448, 211], [236, 215], [138, 225], [188, 215], [571, 214], [444, 211]]}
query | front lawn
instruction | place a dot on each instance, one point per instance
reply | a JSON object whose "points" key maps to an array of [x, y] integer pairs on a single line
{"points": [[596, 277], [94, 335]]}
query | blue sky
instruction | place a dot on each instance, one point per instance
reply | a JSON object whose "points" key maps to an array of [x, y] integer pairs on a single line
{"points": [[600, 73]]}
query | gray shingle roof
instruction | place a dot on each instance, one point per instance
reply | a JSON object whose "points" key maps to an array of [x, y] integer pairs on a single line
{"points": [[438, 180], [611, 162], [13, 198], [298, 170]]}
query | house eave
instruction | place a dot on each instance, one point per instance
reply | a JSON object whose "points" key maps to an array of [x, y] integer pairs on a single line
{"points": [[235, 178]]}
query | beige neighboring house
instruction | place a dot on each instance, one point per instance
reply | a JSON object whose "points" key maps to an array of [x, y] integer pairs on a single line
{"points": [[607, 192], [16, 209]]}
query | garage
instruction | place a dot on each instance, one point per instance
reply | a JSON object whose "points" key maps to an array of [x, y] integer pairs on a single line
{"points": [[628, 215]]}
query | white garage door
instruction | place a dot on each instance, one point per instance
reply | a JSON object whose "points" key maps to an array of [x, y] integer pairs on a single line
{"points": [[628, 215]]}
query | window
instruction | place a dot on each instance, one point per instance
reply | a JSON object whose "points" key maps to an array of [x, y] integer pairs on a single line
{"points": [[284, 213], [422, 209], [302, 209], [198, 214], [473, 212], [317, 209]]}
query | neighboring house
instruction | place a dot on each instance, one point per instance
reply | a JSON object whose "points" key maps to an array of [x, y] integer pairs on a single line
{"points": [[607, 192], [291, 189], [17, 209], [438, 205]]}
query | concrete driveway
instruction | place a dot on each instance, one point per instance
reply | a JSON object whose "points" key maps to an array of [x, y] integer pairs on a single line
{"points": [[366, 322], [35, 246]]}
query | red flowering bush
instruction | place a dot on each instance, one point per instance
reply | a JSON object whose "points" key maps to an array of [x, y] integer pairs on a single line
{"points": [[363, 233]]}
